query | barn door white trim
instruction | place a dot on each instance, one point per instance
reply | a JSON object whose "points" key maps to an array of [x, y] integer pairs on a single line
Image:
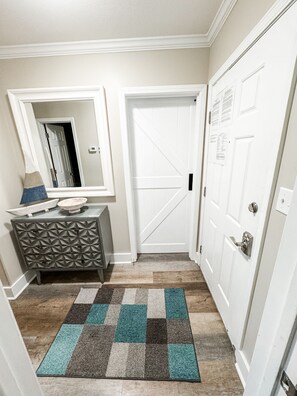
{"points": [[164, 92]]}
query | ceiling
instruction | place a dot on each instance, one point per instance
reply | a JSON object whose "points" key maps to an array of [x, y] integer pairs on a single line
{"points": [[54, 21]]}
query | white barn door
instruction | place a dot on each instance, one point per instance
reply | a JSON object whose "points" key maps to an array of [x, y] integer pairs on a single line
{"points": [[161, 144], [248, 112]]}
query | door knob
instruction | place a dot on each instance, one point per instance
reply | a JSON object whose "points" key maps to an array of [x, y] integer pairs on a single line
{"points": [[253, 207], [246, 244]]}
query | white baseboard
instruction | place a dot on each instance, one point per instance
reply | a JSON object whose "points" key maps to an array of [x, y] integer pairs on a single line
{"points": [[194, 256], [242, 366], [13, 291], [121, 258]]}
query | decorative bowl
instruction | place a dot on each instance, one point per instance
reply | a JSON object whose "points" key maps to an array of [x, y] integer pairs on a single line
{"points": [[72, 205]]}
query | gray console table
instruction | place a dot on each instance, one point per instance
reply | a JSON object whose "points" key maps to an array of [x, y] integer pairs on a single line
{"points": [[55, 240]]}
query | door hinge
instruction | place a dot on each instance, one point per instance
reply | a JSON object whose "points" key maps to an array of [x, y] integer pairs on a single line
{"points": [[200, 249], [46, 134], [287, 385], [204, 191], [209, 117]]}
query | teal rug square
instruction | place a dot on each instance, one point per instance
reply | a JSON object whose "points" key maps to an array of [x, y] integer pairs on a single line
{"points": [[97, 314], [131, 325], [60, 352], [176, 307], [182, 360]]}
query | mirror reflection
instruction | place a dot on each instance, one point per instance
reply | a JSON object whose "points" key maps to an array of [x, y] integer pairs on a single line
{"points": [[64, 135], [67, 144]]}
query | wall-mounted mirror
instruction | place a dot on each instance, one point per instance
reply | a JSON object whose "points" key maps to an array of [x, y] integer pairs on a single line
{"points": [[65, 131]]}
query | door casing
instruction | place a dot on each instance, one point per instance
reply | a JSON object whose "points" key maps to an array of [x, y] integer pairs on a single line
{"points": [[200, 92]]}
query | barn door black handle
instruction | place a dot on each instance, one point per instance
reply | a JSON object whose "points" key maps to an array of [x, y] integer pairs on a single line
{"points": [[190, 185]]}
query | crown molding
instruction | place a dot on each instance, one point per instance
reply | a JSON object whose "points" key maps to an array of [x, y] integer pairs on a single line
{"points": [[219, 20], [121, 45], [103, 46]]}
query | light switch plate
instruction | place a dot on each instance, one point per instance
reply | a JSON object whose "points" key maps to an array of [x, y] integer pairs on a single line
{"points": [[284, 200]]}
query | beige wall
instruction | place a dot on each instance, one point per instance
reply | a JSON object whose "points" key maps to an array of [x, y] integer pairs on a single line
{"points": [[242, 19], [83, 113], [113, 71]]}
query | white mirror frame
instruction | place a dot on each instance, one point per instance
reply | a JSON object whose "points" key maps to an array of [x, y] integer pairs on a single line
{"points": [[19, 97]]}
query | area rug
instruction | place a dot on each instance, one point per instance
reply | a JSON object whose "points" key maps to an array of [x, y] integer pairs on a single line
{"points": [[127, 334]]}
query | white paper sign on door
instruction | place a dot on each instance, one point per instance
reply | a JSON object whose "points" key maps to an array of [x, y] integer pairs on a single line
{"points": [[221, 148]]}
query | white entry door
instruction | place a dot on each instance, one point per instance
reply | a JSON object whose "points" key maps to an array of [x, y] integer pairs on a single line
{"points": [[248, 111], [60, 155], [162, 140]]}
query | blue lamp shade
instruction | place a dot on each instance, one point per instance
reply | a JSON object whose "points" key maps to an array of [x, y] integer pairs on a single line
{"points": [[34, 189]]}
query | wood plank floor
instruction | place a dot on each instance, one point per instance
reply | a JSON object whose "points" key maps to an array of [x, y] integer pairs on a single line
{"points": [[41, 310]]}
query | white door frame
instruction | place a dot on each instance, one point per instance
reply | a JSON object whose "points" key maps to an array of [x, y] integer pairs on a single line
{"points": [[280, 310], [70, 120], [172, 91]]}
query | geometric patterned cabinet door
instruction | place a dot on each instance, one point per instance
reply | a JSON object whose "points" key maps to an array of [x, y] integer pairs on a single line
{"points": [[55, 240]]}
